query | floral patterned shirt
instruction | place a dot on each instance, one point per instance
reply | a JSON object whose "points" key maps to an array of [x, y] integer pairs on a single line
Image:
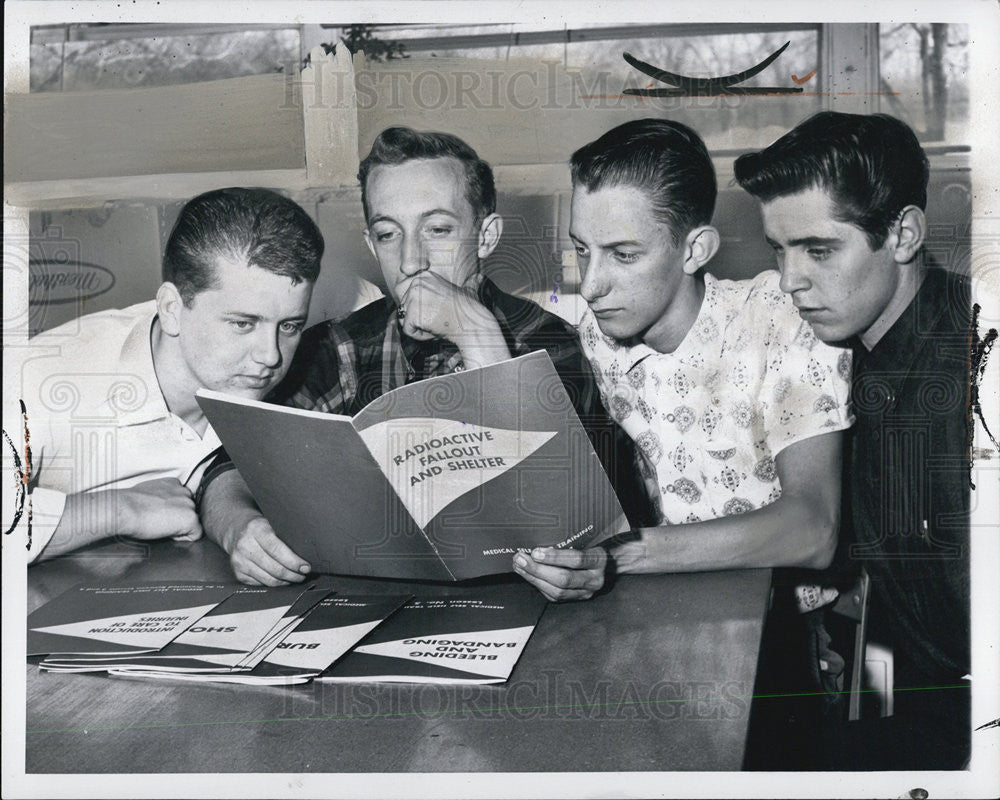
{"points": [[749, 379]]}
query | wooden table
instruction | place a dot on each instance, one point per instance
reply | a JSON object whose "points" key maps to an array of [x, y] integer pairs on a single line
{"points": [[656, 674]]}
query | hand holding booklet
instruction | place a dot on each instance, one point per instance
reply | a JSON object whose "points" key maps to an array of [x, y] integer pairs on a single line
{"points": [[443, 479]]}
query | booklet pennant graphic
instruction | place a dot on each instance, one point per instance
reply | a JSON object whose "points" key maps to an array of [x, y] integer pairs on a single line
{"points": [[430, 462], [325, 650], [143, 630], [490, 653]]}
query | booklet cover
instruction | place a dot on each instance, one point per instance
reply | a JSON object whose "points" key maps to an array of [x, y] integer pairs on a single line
{"points": [[443, 479], [119, 618], [448, 639], [333, 626]]}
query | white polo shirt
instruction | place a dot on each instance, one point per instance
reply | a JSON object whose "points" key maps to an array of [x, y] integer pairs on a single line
{"points": [[95, 419], [749, 379]]}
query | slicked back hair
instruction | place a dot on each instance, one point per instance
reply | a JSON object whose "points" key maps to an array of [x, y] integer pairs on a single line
{"points": [[665, 159], [399, 144], [255, 226], [871, 165]]}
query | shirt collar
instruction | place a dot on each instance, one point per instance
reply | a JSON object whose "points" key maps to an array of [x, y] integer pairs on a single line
{"points": [[900, 343], [629, 353], [137, 397], [632, 355]]}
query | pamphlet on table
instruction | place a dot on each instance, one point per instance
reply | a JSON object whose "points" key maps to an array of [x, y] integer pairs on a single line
{"points": [[475, 639], [115, 618]]}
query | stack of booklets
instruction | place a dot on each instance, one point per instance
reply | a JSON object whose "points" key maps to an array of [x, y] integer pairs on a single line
{"points": [[225, 633]]}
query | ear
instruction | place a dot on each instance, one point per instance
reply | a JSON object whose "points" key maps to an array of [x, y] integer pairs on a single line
{"points": [[699, 246], [168, 308], [490, 231], [909, 233]]}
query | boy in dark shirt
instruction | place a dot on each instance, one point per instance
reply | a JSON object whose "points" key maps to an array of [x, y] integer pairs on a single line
{"points": [[842, 198]]}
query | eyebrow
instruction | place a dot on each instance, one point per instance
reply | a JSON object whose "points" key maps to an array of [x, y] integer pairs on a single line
{"points": [[808, 241], [435, 211], [431, 213], [259, 318], [610, 245]]}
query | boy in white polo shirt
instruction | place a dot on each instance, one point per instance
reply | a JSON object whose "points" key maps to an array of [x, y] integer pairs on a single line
{"points": [[101, 413]]}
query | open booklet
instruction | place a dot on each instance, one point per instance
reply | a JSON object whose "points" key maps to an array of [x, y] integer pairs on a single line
{"points": [[443, 479]]}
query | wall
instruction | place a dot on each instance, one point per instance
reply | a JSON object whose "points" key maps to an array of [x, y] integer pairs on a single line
{"points": [[82, 261]]}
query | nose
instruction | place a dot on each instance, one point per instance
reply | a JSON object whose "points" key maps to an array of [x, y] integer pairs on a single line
{"points": [[266, 351], [593, 285], [794, 276], [414, 256]]}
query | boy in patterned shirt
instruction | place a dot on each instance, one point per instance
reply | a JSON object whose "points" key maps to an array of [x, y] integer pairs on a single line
{"points": [[736, 407]]}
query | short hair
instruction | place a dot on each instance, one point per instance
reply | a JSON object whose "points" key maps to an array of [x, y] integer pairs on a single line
{"points": [[257, 226], [666, 159], [871, 165], [399, 144]]}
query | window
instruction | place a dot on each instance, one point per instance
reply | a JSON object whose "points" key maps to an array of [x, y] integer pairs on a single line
{"points": [[924, 68], [594, 56], [97, 57]]}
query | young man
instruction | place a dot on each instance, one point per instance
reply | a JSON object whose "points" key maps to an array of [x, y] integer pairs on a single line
{"points": [[117, 441], [735, 406], [430, 209], [843, 199]]}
